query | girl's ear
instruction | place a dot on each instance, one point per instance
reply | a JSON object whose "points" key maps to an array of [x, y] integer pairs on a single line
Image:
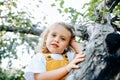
{"points": [[72, 42]]}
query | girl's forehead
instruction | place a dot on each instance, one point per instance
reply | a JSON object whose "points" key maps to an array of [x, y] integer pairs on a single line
{"points": [[60, 29]]}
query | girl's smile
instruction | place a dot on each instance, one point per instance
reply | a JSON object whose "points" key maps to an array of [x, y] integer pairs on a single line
{"points": [[55, 45]]}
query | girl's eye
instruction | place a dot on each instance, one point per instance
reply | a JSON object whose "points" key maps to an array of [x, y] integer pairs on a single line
{"points": [[53, 35], [63, 39]]}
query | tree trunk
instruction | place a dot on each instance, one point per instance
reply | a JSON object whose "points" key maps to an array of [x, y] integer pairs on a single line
{"points": [[96, 54], [98, 64]]}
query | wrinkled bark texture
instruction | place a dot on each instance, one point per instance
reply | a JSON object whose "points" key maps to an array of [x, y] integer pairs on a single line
{"points": [[96, 56], [98, 64]]}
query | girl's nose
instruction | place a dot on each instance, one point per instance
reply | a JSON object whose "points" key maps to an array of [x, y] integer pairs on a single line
{"points": [[57, 39]]}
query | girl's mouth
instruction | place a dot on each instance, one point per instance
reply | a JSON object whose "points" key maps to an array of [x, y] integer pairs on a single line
{"points": [[55, 45]]}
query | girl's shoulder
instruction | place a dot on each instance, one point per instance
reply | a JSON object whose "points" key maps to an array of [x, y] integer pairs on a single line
{"points": [[70, 55], [38, 57]]}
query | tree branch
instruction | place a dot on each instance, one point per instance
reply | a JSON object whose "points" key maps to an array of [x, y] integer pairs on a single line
{"points": [[111, 4], [27, 30]]}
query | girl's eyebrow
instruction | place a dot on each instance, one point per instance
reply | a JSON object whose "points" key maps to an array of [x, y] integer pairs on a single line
{"points": [[65, 36], [61, 35]]}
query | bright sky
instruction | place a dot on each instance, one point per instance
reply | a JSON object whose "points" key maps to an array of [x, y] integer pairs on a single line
{"points": [[39, 13], [46, 10]]}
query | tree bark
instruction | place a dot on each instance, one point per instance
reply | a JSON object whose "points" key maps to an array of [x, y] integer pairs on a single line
{"points": [[24, 30], [95, 52], [98, 64]]}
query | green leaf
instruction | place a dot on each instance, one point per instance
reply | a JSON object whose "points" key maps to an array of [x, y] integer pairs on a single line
{"points": [[61, 4], [1, 3], [66, 10], [60, 11], [9, 21], [14, 4], [1, 10], [53, 5]]}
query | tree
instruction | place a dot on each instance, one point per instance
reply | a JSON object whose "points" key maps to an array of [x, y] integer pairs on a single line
{"points": [[97, 60], [99, 64]]}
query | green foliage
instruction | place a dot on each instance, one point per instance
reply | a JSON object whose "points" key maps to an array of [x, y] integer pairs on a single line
{"points": [[62, 3], [11, 74], [9, 41], [93, 5], [16, 18], [116, 12], [90, 14], [72, 14], [11, 17], [53, 5], [9, 45]]}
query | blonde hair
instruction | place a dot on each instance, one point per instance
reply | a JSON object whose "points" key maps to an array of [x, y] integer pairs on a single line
{"points": [[44, 35]]}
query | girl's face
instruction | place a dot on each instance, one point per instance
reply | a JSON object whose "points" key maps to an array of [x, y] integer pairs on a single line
{"points": [[57, 39]]}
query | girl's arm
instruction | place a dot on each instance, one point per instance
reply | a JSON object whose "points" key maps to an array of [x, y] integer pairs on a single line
{"points": [[61, 72], [52, 75]]}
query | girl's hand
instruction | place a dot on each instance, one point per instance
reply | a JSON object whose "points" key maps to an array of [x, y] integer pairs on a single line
{"points": [[73, 64], [78, 48]]}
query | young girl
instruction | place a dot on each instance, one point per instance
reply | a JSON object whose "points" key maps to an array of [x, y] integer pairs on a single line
{"points": [[57, 54]]}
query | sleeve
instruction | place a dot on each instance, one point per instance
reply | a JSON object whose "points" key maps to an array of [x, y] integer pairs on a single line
{"points": [[37, 65], [70, 55]]}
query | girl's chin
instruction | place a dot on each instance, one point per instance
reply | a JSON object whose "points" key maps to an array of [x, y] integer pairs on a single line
{"points": [[56, 52]]}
